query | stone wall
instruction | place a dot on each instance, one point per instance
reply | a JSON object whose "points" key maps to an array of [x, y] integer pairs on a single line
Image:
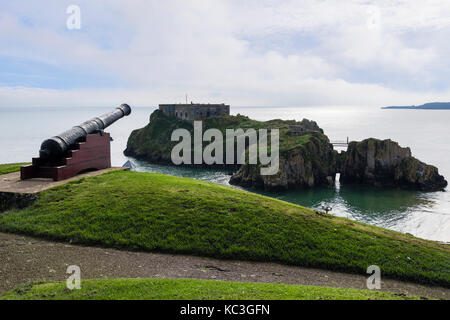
{"points": [[193, 112]]}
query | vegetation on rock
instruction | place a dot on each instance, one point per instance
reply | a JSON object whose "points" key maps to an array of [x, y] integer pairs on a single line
{"points": [[306, 160]]}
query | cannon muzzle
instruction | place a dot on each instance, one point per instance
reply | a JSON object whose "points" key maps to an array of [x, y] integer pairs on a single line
{"points": [[55, 147]]}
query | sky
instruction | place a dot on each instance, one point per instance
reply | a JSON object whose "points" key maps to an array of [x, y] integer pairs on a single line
{"points": [[243, 53]]}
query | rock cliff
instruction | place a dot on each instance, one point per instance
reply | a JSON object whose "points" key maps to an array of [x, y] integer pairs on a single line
{"points": [[309, 165], [152, 143], [384, 163]]}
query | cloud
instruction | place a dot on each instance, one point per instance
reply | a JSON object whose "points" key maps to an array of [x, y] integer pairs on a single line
{"points": [[319, 53]]}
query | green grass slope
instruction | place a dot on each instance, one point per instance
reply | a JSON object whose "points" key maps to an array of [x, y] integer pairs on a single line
{"points": [[10, 167], [188, 289], [162, 213]]}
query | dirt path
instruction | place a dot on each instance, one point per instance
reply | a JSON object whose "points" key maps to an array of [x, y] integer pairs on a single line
{"points": [[25, 259]]}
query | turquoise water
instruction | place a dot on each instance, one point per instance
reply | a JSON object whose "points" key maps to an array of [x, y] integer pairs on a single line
{"points": [[426, 215]]}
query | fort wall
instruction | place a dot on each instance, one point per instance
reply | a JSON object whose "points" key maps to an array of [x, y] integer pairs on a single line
{"points": [[194, 111]]}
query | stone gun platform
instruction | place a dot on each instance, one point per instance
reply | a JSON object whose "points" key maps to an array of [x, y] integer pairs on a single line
{"points": [[11, 182], [16, 193]]}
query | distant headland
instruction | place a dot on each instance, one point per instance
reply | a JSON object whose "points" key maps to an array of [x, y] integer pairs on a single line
{"points": [[426, 106]]}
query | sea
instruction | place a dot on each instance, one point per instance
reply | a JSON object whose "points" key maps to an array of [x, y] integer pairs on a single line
{"points": [[426, 132]]}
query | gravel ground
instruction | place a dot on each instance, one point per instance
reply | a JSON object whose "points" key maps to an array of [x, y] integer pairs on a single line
{"points": [[24, 259]]}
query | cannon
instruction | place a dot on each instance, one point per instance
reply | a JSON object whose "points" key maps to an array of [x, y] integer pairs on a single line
{"points": [[54, 147], [84, 147]]}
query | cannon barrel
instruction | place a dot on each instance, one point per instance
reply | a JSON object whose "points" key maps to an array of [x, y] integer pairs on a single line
{"points": [[56, 146]]}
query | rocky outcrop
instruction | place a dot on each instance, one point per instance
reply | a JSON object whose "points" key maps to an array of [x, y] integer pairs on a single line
{"points": [[309, 165], [384, 163], [152, 143], [309, 125]]}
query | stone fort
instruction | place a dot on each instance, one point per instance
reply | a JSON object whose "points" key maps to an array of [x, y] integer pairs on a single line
{"points": [[194, 111]]}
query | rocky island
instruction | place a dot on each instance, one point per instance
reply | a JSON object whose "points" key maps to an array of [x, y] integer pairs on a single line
{"points": [[383, 163], [307, 158]]}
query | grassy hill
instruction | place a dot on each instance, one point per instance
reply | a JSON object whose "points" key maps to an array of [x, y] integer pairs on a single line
{"points": [[10, 167], [188, 289], [154, 212]]}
